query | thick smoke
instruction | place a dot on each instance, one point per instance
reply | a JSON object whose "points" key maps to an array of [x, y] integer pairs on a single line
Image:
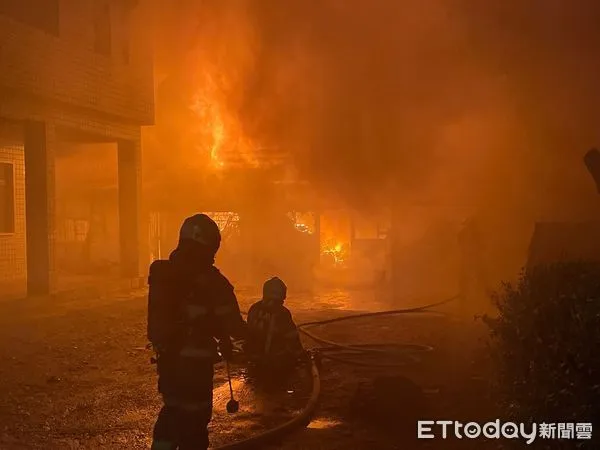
{"points": [[435, 97], [356, 91], [460, 106]]}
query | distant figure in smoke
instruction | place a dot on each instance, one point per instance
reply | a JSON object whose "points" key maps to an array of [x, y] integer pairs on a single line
{"points": [[474, 283], [273, 340], [191, 305]]}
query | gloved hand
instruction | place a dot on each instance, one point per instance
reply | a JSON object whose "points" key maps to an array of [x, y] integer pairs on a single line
{"points": [[226, 348]]}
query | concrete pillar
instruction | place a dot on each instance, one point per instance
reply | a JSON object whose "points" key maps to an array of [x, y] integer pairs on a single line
{"points": [[39, 139], [133, 232]]}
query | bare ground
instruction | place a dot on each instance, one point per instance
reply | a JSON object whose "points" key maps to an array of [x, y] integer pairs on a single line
{"points": [[74, 374]]}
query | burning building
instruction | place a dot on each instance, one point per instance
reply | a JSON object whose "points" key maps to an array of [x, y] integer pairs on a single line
{"points": [[73, 73]]}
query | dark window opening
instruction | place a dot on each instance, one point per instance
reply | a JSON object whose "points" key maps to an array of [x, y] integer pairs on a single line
{"points": [[7, 198], [41, 14], [102, 28]]}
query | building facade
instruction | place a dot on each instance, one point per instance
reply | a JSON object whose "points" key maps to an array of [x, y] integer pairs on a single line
{"points": [[71, 71]]}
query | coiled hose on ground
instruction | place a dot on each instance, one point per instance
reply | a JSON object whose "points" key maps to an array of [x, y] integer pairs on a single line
{"points": [[409, 351], [334, 351]]}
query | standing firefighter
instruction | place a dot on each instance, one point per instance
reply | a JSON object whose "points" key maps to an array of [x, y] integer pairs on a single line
{"points": [[273, 339], [192, 312]]}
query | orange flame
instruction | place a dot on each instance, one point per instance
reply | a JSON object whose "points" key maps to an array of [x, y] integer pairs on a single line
{"points": [[219, 132], [336, 250]]}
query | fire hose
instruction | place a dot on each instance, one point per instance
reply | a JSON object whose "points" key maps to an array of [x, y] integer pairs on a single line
{"points": [[406, 350], [329, 347]]}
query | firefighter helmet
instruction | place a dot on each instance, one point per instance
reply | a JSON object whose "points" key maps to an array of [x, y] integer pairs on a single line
{"points": [[274, 289], [202, 229]]}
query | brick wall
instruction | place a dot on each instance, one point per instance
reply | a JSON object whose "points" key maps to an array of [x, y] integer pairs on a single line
{"points": [[13, 265], [78, 93], [66, 68]]}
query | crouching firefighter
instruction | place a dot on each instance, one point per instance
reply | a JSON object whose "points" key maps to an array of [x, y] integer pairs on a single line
{"points": [[192, 314], [273, 342]]}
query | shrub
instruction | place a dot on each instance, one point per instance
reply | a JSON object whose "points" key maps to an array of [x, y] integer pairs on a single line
{"points": [[545, 341]]}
